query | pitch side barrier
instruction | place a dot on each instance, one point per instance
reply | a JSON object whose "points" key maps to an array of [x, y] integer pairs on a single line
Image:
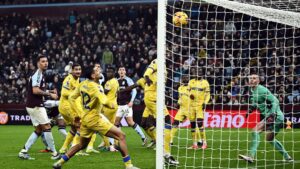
{"points": [[215, 117]]}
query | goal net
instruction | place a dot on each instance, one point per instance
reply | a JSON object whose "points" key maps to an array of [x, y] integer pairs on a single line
{"points": [[224, 42]]}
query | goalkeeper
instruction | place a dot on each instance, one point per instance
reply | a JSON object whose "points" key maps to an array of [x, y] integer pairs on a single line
{"points": [[271, 115]]}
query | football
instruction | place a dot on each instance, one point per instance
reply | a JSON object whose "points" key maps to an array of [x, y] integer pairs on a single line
{"points": [[180, 19]]}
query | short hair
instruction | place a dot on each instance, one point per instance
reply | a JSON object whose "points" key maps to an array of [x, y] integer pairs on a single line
{"points": [[75, 65], [110, 68], [122, 66], [88, 72], [40, 57]]}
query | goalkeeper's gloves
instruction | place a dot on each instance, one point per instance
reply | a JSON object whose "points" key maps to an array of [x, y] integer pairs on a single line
{"points": [[271, 118]]}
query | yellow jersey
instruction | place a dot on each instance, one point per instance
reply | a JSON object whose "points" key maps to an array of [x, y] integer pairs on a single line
{"points": [[184, 96], [69, 85], [92, 98], [112, 86], [151, 72], [200, 90], [141, 82]]}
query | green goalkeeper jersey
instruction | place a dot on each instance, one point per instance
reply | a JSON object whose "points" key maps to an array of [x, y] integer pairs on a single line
{"points": [[266, 102]]}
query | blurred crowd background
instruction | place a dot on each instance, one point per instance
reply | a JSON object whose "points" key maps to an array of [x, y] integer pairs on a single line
{"points": [[225, 45]]}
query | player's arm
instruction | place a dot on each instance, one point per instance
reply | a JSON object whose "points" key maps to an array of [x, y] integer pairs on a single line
{"points": [[252, 106], [66, 88], [133, 91], [271, 116], [36, 82], [107, 87], [134, 85], [149, 71], [192, 97], [72, 100], [207, 94], [101, 97]]}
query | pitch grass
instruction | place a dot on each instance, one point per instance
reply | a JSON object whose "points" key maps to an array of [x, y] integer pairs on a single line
{"points": [[224, 147]]}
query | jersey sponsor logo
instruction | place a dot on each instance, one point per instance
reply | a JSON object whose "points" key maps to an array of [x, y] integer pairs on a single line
{"points": [[3, 117], [197, 89], [225, 119]]}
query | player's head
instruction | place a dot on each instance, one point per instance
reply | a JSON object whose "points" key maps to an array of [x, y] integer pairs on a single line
{"points": [[98, 66], [76, 70], [122, 71], [197, 73], [110, 72], [92, 73], [42, 62], [185, 79], [253, 79]]}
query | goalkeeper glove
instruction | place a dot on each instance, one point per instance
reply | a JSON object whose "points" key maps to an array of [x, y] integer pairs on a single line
{"points": [[271, 119]]}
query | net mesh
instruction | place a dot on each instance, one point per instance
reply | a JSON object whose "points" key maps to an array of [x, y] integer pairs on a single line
{"points": [[227, 45]]}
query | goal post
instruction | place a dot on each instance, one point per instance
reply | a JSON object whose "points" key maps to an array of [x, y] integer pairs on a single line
{"points": [[227, 40]]}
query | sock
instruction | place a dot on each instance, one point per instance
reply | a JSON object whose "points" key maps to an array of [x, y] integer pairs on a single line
{"points": [[194, 136], [137, 128], [127, 161], [62, 131], [31, 140], [198, 135], [76, 139], [254, 143], [92, 141], [111, 141], [203, 135], [173, 133], [167, 139], [279, 147], [44, 140], [63, 159], [50, 141], [68, 140]]}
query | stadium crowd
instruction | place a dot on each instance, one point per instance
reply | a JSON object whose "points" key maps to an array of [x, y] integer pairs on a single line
{"points": [[226, 51]]}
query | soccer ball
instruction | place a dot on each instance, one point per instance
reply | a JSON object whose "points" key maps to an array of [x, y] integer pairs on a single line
{"points": [[180, 19]]}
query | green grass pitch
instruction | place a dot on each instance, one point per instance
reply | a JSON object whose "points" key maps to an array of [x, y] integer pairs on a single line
{"points": [[223, 149]]}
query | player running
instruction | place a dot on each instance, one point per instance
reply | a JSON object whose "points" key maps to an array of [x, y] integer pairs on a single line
{"points": [[272, 119], [92, 120]]}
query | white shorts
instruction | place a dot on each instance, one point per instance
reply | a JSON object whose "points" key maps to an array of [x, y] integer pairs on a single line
{"points": [[38, 115], [124, 111]]}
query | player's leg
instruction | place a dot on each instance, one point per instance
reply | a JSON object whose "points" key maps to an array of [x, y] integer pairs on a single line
{"points": [[255, 142], [23, 154], [193, 128], [49, 140], [61, 126], [180, 116], [272, 130], [90, 147], [200, 125], [202, 133], [151, 130], [117, 134], [64, 111], [110, 114], [135, 126], [169, 159], [73, 150]]}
